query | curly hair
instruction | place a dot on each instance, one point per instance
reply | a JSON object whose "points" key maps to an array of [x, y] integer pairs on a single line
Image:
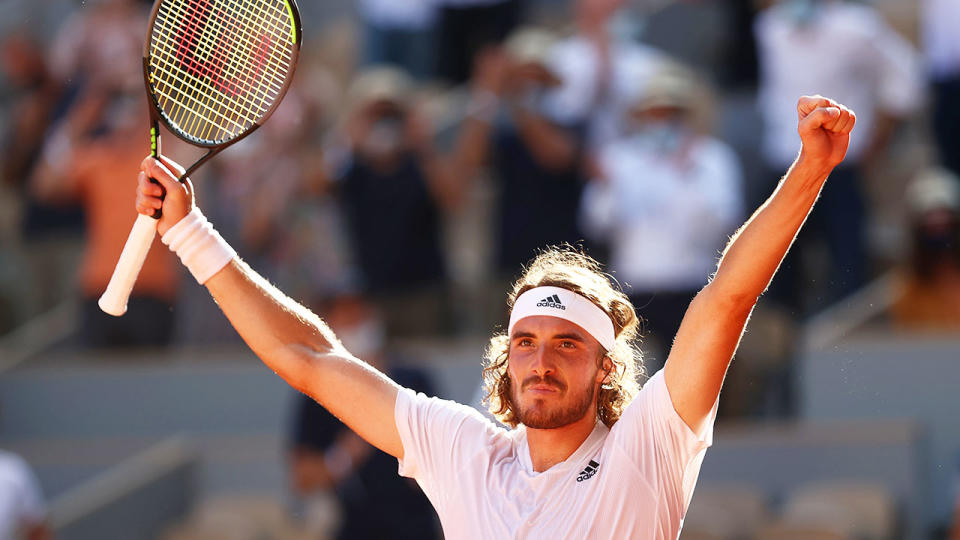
{"points": [[570, 269]]}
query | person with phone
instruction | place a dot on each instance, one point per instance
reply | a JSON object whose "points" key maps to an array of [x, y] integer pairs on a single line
{"points": [[588, 456]]}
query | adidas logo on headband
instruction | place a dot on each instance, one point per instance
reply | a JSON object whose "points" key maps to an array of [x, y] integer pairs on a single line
{"points": [[551, 301]]}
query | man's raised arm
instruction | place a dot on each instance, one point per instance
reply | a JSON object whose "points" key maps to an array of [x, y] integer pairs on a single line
{"points": [[714, 322], [291, 340]]}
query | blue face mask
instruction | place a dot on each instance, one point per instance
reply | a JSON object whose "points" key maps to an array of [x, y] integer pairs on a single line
{"points": [[802, 12], [384, 138], [663, 137]]}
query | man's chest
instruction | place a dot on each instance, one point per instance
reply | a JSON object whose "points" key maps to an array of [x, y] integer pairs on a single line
{"points": [[598, 498]]}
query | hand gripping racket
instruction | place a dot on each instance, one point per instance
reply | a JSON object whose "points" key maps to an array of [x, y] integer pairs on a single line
{"points": [[214, 71]]}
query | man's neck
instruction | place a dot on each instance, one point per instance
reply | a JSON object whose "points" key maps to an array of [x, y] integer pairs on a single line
{"points": [[551, 446]]}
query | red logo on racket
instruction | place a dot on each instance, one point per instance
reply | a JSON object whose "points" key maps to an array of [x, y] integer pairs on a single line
{"points": [[191, 37]]}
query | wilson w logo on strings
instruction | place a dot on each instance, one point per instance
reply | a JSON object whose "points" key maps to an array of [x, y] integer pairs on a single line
{"points": [[205, 39]]}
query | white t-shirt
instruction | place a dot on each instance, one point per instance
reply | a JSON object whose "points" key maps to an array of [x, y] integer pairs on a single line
{"points": [[665, 216], [848, 53], [941, 42], [20, 500], [408, 14], [577, 62], [632, 481]]}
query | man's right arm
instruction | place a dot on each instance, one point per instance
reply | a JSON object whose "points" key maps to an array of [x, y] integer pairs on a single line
{"points": [[291, 340]]}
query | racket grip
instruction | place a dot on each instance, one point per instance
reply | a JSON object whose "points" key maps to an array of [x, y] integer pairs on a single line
{"points": [[114, 299]]}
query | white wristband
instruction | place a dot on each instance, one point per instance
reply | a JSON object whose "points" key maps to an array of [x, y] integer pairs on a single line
{"points": [[203, 251]]}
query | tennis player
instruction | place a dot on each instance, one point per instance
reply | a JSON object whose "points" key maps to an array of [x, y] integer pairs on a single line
{"points": [[589, 456]]}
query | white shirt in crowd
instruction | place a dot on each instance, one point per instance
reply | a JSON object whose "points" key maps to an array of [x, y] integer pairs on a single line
{"points": [[941, 38], [468, 3], [664, 213], [634, 480], [21, 502], [847, 52], [407, 15], [577, 62]]}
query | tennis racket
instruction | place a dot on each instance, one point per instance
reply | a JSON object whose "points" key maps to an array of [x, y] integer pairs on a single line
{"points": [[214, 71]]}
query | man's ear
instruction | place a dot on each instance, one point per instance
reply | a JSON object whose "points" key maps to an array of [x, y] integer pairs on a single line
{"points": [[606, 366]]}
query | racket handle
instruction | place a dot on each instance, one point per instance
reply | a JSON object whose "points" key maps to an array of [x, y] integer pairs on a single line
{"points": [[114, 299]]}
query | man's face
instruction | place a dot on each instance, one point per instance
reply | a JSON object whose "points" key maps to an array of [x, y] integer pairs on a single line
{"points": [[554, 372]]}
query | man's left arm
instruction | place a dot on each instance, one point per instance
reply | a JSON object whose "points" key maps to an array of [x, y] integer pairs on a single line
{"points": [[715, 319]]}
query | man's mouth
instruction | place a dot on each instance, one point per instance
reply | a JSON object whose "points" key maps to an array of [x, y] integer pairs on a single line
{"points": [[543, 386]]}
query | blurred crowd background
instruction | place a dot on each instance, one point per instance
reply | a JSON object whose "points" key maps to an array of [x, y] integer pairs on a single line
{"points": [[425, 151]]}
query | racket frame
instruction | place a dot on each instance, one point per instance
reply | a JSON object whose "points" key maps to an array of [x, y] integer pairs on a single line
{"points": [[157, 115], [115, 297]]}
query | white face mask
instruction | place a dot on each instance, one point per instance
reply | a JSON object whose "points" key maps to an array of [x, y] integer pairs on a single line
{"points": [[663, 137], [802, 12], [364, 339], [384, 137]]}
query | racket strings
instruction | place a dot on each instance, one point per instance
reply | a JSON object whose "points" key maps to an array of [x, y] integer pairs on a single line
{"points": [[217, 66], [206, 77], [203, 71]]}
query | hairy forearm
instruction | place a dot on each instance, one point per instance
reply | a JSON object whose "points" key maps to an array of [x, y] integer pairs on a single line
{"points": [[300, 348], [755, 251], [268, 320]]}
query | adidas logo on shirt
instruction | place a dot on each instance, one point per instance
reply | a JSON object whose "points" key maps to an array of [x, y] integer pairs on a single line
{"points": [[551, 301], [588, 472]]}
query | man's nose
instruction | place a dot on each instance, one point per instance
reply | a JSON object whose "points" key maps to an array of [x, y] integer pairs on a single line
{"points": [[542, 362]]}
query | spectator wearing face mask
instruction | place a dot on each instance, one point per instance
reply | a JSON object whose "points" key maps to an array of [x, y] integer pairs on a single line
{"points": [[602, 70], [666, 200], [326, 457], [847, 51], [931, 280], [393, 187], [84, 160], [534, 153]]}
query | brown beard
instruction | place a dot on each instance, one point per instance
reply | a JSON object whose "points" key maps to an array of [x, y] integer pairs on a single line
{"points": [[555, 418]]}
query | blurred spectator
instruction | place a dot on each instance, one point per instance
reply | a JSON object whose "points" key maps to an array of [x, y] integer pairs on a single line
{"points": [[274, 196], [400, 33], [931, 288], [848, 52], [93, 158], [955, 527], [941, 19], [49, 231], [102, 43], [465, 28], [375, 503], [23, 512], [536, 157], [35, 95], [667, 199], [601, 71], [740, 69], [393, 188]]}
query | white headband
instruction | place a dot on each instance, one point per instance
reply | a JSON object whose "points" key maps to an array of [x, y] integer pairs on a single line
{"points": [[564, 304]]}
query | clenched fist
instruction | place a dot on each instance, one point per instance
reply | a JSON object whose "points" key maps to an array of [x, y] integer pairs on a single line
{"points": [[824, 126], [173, 198]]}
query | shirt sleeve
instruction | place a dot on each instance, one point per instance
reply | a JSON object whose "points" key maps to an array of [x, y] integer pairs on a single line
{"points": [[439, 438], [664, 448]]}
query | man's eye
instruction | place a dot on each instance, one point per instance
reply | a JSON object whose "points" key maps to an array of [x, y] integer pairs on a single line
{"points": [[568, 344], [525, 342]]}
